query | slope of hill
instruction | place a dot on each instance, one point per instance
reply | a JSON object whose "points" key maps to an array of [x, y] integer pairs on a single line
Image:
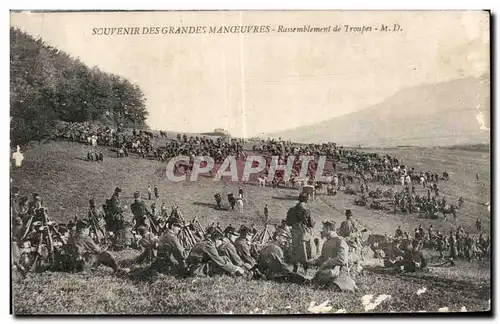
{"points": [[47, 85], [65, 181], [428, 115]]}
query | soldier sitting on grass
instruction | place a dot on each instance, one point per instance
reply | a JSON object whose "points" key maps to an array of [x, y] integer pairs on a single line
{"points": [[228, 250], [333, 261], [271, 261], [204, 259], [413, 259], [149, 244], [171, 253], [243, 245], [86, 254]]}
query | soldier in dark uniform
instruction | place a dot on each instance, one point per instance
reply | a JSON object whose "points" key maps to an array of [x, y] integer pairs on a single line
{"points": [[266, 213], [148, 243], [231, 200], [243, 245], [141, 211], [114, 211], [171, 253], [149, 192], [348, 226], [399, 232], [413, 260], [228, 250], [204, 259], [299, 218], [271, 262], [218, 200], [157, 194], [35, 204], [23, 209], [478, 225], [85, 253], [124, 238]]}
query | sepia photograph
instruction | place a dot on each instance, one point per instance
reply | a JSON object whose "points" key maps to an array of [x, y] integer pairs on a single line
{"points": [[223, 162]]}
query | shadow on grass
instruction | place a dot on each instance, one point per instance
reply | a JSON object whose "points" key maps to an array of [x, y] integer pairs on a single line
{"points": [[210, 205], [287, 197]]}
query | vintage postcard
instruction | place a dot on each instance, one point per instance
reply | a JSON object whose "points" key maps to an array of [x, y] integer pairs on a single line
{"points": [[250, 162]]}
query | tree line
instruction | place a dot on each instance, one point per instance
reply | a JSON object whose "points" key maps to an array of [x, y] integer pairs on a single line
{"points": [[48, 85]]}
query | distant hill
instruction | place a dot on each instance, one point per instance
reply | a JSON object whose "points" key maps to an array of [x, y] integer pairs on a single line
{"points": [[47, 85], [428, 115]]}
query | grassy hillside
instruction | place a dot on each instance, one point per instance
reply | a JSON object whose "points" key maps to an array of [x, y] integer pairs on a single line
{"points": [[65, 181]]}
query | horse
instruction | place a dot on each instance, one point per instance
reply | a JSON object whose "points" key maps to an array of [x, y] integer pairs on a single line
{"points": [[449, 209]]}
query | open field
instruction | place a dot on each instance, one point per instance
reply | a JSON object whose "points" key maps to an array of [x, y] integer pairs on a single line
{"points": [[59, 172]]}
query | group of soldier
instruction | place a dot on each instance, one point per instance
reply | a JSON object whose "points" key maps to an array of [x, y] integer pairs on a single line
{"points": [[460, 244], [215, 251], [231, 251]]}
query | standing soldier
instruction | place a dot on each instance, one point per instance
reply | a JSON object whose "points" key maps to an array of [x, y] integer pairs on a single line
{"points": [[240, 193], [299, 218], [431, 233], [157, 195], [266, 213], [153, 210], [149, 192], [399, 232], [452, 241], [114, 211], [478, 225], [347, 227], [441, 244], [218, 200], [140, 211]]}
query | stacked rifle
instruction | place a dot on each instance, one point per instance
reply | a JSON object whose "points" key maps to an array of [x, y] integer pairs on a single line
{"points": [[191, 232], [97, 232], [263, 236], [41, 240]]}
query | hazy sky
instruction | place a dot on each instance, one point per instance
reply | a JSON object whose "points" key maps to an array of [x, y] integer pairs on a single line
{"points": [[255, 83]]}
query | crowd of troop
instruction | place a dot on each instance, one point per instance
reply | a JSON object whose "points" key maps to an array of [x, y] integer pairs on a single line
{"points": [[171, 243]]}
